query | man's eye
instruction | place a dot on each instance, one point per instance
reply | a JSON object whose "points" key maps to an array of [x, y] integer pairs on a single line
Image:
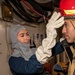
{"points": [[65, 24]]}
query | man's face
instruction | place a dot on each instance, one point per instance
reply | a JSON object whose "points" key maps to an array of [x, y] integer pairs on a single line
{"points": [[23, 36], [68, 31]]}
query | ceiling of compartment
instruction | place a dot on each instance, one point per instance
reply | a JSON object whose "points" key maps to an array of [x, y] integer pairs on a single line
{"points": [[36, 11]]}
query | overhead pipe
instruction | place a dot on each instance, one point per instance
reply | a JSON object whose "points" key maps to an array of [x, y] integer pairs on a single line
{"points": [[16, 12], [33, 10], [22, 12]]}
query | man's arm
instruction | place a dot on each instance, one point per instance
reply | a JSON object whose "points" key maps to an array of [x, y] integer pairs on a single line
{"points": [[57, 49]]}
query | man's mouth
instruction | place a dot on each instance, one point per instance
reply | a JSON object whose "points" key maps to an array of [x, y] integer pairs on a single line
{"points": [[65, 36]]}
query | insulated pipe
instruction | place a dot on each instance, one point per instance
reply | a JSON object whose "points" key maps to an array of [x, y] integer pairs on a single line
{"points": [[33, 9], [20, 10], [20, 14], [17, 13]]}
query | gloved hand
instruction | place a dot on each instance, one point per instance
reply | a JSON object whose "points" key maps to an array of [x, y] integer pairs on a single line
{"points": [[56, 21], [44, 51]]}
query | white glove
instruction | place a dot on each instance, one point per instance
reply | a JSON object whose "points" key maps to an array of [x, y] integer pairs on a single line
{"points": [[44, 52], [56, 21]]}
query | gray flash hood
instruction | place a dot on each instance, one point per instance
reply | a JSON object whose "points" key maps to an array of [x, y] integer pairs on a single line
{"points": [[19, 49]]}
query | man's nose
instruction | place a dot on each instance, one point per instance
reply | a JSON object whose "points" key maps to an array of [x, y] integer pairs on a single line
{"points": [[64, 29]]}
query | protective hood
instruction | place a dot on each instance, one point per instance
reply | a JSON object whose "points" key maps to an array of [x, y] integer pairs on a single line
{"points": [[20, 49]]}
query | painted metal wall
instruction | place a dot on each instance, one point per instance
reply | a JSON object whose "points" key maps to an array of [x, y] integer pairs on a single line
{"points": [[4, 52]]}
